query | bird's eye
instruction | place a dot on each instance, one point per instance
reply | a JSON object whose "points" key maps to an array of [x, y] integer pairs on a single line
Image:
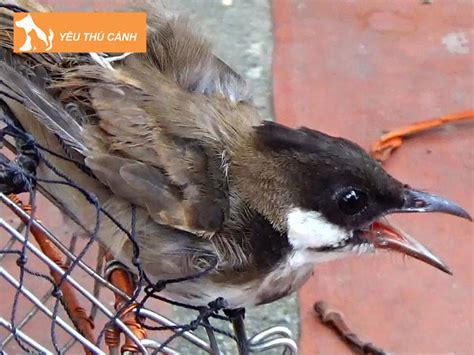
{"points": [[352, 201]]}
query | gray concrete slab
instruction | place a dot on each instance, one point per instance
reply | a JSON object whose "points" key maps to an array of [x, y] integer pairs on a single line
{"points": [[242, 36]]}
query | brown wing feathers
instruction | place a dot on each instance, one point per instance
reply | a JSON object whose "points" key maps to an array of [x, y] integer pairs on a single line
{"points": [[156, 127]]}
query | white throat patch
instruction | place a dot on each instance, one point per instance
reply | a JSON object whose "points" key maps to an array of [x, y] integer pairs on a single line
{"points": [[309, 229]]}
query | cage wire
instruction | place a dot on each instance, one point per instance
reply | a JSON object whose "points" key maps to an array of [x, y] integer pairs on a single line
{"points": [[62, 291]]}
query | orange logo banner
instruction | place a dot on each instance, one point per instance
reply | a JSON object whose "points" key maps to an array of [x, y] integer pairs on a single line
{"points": [[79, 32]]}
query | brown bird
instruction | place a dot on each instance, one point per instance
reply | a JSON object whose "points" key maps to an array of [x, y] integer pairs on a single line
{"points": [[174, 132]]}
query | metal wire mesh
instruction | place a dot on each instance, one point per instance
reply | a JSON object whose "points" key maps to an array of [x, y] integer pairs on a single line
{"points": [[28, 300], [52, 279]]}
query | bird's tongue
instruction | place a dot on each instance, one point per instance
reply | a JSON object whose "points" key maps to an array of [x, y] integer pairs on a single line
{"points": [[384, 236]]}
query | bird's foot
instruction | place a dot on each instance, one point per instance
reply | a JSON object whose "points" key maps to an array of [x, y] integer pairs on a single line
{"points": [[237, 317], [334, 319]]}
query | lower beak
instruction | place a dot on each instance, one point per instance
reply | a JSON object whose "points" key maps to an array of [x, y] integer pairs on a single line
{"points": [[385, 236]]}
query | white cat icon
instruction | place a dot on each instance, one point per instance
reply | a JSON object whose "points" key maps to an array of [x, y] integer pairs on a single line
{"points": [[28, 25]]}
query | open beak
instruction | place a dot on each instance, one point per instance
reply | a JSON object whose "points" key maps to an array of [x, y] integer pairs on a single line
{"points": [[385, 236]]}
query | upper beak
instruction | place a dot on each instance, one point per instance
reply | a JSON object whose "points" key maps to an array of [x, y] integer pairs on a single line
{"points": [[385, 236], [418, 201]]}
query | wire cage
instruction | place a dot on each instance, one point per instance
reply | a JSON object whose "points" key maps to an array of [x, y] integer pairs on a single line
{"points": [[62, 293]]}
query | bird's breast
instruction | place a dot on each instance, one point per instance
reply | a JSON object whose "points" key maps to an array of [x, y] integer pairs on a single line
{"points": [[287, 277], [284, 279]]}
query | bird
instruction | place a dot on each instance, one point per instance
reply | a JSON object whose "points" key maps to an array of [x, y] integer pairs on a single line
{"points": [[175, 133]]}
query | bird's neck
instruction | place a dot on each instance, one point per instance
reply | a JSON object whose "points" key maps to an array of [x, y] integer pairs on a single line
{"points": [[256, 179]]}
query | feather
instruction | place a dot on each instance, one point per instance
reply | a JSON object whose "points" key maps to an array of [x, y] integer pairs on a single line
{"points": [[142, 185], [47, 110], [177, 50]]}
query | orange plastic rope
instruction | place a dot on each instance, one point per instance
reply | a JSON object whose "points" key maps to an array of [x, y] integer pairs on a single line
{"points": [[386, 144], [75, 311]]}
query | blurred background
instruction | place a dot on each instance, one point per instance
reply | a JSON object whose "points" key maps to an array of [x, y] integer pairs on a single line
{"points": [[358, 69]]}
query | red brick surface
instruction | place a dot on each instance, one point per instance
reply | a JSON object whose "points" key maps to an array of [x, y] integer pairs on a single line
{"points": [[356, 69]]}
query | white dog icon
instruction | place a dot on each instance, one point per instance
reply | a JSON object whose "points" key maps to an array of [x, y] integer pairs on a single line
{"points": [[28, 25]]}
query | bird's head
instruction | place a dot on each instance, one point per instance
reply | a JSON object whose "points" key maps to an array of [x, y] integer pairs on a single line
{"points": [[337, 196]]}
